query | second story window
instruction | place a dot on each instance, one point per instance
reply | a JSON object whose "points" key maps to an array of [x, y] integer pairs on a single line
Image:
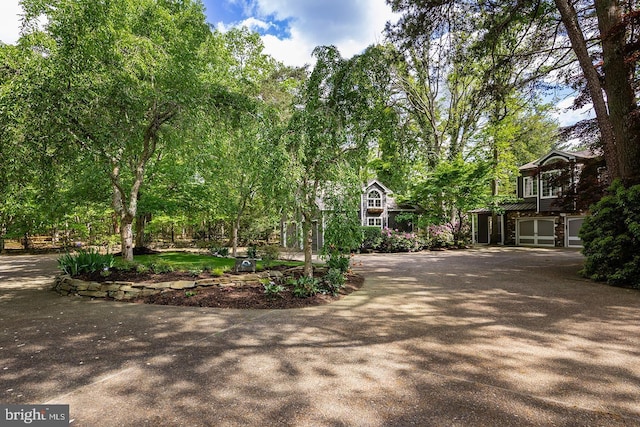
{"points": [[374, 199], [529, 186], [550, 185]]}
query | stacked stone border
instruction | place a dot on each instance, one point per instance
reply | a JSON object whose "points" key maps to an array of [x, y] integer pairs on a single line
{"points": [[66, 285]]}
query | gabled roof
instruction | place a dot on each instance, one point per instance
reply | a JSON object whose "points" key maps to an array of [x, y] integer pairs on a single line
{"points": [[379, 184], [568, 155]]}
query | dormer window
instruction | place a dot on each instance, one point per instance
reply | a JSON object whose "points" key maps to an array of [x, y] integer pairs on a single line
{"points": [[374, 199]]}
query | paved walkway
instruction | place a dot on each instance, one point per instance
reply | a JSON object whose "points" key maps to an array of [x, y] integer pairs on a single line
{"points": [[490, 337]]}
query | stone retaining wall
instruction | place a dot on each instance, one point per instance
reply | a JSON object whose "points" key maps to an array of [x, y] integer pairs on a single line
{"points": [[66, 285]]}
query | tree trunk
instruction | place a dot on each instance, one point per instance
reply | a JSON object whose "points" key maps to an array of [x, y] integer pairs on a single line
{"points": [[141, 223], [126, 237], [493, 240], [234, 237], [307, 233], [579, 46], [618, 75]]}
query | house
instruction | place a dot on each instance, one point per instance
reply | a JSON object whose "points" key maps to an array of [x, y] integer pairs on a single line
{"points": [[378, 208], [547, 213]]}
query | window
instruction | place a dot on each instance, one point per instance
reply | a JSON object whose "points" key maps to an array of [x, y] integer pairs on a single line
{"points": [[550, 187], [529, 186], [374, 199], [374, 222]]}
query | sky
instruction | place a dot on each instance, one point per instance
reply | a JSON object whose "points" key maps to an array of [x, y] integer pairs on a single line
{"points": [[291, 29]]}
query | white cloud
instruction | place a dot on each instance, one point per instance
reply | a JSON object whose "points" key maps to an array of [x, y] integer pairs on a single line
{"points": [[350, 25], [568, 116], [10, 12]]}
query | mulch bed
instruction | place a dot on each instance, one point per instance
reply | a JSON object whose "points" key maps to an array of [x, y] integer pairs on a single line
{"points": [[247, 297]]}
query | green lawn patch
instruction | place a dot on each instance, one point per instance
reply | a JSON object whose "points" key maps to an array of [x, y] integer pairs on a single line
{"points": [[185, 261]]}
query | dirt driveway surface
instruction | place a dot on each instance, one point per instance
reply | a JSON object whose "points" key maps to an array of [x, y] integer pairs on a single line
{"points": [[486, 337]]}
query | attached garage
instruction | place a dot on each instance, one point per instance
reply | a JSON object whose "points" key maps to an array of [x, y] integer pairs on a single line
{"points": [[573, 228], [536, 232]]}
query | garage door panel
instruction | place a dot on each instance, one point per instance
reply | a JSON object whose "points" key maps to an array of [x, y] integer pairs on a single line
{"points": [[536, 232], [546, 227], [573, 228]]}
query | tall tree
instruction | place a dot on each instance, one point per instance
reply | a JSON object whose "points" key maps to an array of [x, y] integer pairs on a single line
{"points": [[114, 79], [329, 133], [556, 35]]}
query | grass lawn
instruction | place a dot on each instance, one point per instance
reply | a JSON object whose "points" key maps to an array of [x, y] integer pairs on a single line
{"points": [[185, 261]]}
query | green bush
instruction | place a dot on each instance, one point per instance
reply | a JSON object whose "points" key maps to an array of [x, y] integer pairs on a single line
{"points": [[159, 267], [339, 262], [269, 254], [85, 262], [371, 238], [272, 289], [333, 281], [611, 238], [399, 241], [220, 251], [305, 287], [252, 251]]}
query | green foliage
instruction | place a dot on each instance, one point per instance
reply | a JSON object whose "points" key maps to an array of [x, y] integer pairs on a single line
{"points": [[269, 253], [371, 238], [272, 289], [252, 251], [333, 281], [85, 262], [219, 251], [611, 237], [339, 262], [305, 287], [399, 241], [342, 232], [452, 189], [141, 268], [159, 267]]}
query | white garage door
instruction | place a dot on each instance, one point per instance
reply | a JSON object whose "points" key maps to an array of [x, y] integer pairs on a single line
{"points": [[536, 232], [573, 228]]}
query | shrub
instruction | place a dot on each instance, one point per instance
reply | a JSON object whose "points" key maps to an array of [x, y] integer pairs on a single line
{"points": [[397, 241], [85, 262], [339, 262], [611, 238], [141, 268], [305, 287], [272, 289], [159, 267], [440, 236], [252, 251], [371, 238], [270, 253], [219, 251], [333, 281]]}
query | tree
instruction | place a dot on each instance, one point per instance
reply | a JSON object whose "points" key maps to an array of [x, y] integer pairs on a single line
{"points": [[115, 80], [328, 134], [602, 29], [451, 190]]}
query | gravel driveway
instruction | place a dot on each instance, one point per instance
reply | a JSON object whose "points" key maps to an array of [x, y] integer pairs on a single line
{"points": [[491, 336]]}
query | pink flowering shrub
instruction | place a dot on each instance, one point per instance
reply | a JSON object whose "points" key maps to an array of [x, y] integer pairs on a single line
{"points": [[400, 241]]}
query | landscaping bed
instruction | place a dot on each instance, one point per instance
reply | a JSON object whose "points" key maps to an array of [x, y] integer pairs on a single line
{"points": [[250, 296], [280, 286]]}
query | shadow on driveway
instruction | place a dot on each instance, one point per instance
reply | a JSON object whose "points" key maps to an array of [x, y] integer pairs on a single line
{"points": [[494, 336]]}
